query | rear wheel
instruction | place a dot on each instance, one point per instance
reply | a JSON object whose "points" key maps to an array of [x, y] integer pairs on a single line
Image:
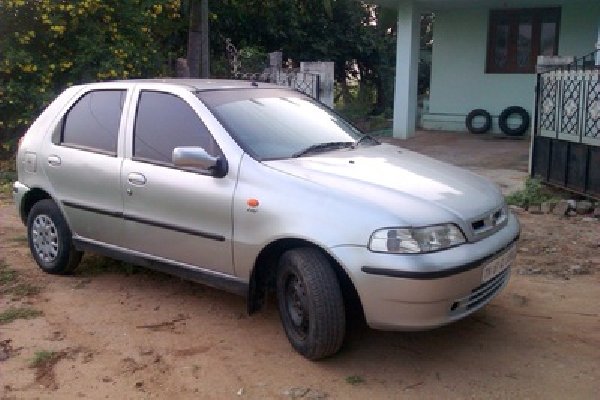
{"points": [[310, 303], [49, 239]]}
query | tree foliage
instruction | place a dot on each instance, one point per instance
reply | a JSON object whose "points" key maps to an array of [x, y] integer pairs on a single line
{"points": [[47, 45], [358, 37]]}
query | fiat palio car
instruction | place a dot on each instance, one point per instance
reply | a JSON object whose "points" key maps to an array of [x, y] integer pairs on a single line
{"points": [[258, 189]]}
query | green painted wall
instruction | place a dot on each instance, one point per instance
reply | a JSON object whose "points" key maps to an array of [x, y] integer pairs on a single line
{"points": [[459, 83]]}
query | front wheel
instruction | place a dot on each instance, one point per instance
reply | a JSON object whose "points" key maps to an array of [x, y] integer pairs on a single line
{"points": [[310, 303], [49, 239]]}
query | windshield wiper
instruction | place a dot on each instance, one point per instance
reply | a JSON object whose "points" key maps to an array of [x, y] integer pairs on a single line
{"points": [[364, 139], [320, 147]]}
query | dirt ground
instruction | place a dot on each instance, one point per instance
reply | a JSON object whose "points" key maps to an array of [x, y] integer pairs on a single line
{"points": [[113, 331]]}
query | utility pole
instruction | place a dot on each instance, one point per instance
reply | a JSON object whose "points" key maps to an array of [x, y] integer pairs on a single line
{"points": [[205, 42], [198, 50]]}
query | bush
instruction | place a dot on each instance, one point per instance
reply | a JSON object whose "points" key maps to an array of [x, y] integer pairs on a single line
{"points": [[534, 193], [48, 45]]}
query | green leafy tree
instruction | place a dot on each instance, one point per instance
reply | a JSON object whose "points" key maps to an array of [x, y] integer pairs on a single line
{"points": [[47, 45], [353, 34]]}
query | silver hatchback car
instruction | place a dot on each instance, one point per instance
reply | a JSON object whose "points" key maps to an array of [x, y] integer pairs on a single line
{"points": [[257, 189]]}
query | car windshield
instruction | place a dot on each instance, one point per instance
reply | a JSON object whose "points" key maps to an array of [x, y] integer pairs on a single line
{"points": [[279, 123]]}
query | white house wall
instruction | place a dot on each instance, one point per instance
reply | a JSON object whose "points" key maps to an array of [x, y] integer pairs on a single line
{"points": [[459, 83]]}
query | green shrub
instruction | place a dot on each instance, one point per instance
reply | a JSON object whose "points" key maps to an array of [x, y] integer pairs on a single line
{"points": [[48, 45], [534, 193]]}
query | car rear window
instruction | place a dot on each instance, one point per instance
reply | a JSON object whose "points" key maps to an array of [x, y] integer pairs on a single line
{"points": [[93, 122]]}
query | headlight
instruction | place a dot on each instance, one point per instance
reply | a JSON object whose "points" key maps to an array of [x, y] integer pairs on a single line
{"points": [[416, 240]]}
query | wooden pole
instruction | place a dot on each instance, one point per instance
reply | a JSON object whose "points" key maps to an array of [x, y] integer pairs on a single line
{"points": [[204, 41], [194, 40]]}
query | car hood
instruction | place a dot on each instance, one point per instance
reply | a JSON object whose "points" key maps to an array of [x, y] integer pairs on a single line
{"points": [[397, 178]]}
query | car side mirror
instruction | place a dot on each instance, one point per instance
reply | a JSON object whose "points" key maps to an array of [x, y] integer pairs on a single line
{"points": [[197, 157]]}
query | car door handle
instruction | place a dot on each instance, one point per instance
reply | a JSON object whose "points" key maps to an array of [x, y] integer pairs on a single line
{"points": [[54, 161], [136, 178]]}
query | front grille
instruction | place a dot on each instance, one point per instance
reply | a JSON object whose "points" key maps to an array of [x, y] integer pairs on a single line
{"points": [[489, 223], [485, 291]]}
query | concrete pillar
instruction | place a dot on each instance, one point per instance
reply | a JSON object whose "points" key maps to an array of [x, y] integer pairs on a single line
{"points": [[407, 65], [275, 59], [325, 70]]}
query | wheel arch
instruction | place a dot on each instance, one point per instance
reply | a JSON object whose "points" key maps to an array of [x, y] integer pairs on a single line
{"points": [[263, 273], [32, 196]]}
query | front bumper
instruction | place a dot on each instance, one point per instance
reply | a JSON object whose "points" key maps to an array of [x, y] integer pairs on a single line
{"points": [[19, 192], [423, 291]]}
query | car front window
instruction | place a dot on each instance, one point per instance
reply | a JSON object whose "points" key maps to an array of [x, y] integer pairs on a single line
{"points": [[277, 123]]}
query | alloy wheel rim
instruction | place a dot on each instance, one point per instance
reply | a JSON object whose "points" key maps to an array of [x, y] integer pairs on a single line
{"points": [[44, 237]]}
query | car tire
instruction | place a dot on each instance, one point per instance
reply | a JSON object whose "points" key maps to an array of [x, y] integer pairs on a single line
{"points": [[310, 302], [478, 113], [50, 239], [523, 126]]}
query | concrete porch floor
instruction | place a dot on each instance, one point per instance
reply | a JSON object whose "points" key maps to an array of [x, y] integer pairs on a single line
{"points": [[500, 158]]}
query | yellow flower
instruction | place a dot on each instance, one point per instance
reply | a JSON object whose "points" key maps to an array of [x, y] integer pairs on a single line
{"points": [[65, 65], [58, 28], [28, 68]]}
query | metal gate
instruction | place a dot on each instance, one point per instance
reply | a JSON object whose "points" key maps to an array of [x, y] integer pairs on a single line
{"points": [[566, 142], [304, 82]]}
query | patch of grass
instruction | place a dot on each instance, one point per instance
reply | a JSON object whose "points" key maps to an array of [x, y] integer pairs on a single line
{"points": [[24, 289], [6, 182], [19, 239], [534, 193], [7, 275], [9, 283], [13, 314], [41, 357], [355, 379]]}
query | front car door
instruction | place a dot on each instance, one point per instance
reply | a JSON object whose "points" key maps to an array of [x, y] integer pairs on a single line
{"points": [[178, 214], [83, 163]]}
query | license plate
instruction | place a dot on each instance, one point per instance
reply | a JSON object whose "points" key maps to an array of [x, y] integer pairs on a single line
{"points": [[499, 264]]}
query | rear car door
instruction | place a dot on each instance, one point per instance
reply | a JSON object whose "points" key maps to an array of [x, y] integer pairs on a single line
{"points": [[178, 214], [84, 167]]}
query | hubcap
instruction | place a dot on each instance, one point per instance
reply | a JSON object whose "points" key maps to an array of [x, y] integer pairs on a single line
{"points": [[297, 305], [44, 236]]}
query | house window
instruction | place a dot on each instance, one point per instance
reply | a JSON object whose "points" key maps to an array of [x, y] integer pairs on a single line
{"points": [[518, 36]]}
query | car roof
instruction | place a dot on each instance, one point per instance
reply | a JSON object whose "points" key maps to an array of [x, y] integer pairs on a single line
{"points": [[193, 84]]}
